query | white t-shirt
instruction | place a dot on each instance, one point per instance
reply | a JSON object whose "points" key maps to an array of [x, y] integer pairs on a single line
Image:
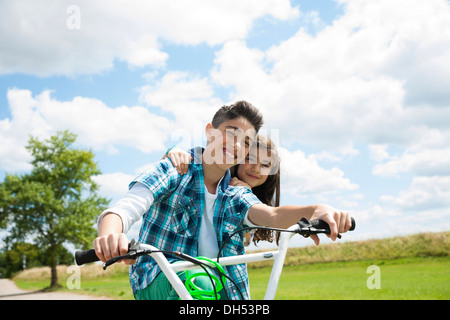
{"points": [[207, 241]]}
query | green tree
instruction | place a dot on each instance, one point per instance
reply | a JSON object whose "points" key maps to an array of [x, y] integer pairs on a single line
{"points": [[56, 204]]}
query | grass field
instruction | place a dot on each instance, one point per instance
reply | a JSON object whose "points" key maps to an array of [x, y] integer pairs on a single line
{"points": [[412, 267], [94, 280], [414, 278]]}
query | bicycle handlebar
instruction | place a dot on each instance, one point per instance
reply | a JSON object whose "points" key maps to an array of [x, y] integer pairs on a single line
{"points": [[305, 228], [318, 226], [88, 256]]}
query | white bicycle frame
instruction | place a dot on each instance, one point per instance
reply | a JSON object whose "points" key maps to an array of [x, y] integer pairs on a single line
{"points": [[277, 255]]}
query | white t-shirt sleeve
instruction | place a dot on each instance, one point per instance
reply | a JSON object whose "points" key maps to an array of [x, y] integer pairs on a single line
{"points": [[247, 221], [246, 200], [132, 206]]}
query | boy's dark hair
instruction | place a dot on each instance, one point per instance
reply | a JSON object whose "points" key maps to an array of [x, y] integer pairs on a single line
{"points": [[239, 109]]}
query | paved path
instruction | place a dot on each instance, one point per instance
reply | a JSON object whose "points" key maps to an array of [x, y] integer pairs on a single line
{"points": [[9, 291]]}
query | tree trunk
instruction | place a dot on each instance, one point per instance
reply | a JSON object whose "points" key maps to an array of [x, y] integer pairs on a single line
{"points": [[54, 282], [53, 257]]}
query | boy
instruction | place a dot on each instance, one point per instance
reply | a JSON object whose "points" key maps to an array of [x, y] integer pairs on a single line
{"points": [[196, 212]]}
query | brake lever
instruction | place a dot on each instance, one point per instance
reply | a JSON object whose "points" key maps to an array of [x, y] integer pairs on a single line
{"points": [[134, 251]]}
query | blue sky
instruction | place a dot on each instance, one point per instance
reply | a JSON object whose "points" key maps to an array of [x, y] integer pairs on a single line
{"points": [[356, 91]]}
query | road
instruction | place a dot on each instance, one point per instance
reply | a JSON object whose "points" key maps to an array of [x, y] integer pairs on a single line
{"points": [[9, 291]]}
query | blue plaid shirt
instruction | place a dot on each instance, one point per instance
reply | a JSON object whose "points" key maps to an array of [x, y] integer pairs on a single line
{"points": [[173, 221]]}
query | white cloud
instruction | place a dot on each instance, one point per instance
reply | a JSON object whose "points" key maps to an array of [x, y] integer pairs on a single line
{"points": [[145, 51], [189, 99], [428, 155], [378, 152], [344, 86], [14, 132], [425, 193], [423, 162], [349, 201], [186, 97], [104, 128], [384, 221], [35, 39], [375, 213], [428, 220], [301, 175], [113, 185], [97, 126]]}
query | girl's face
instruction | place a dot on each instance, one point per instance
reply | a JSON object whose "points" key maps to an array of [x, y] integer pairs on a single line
{"points": [[255, 170]]}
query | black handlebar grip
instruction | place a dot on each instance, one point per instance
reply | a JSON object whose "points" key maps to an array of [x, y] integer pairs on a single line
{"points": [[320, 224], [87, 256], [353, 225]]}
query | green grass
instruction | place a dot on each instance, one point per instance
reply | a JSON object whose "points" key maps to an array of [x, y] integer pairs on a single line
{"points": [[411, 267], [113, 282], [117, 287], [111, 287], [401, 279]]}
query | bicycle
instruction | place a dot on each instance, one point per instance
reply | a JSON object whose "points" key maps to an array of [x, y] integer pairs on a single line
{"points": [[136, 249]]}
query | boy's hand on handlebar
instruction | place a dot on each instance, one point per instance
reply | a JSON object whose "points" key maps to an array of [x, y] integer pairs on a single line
{"points": [[112, 245], [339, 221]]}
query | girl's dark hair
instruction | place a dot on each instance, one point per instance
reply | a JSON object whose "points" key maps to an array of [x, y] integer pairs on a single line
{"points": [[239, 109], [269, 192]]}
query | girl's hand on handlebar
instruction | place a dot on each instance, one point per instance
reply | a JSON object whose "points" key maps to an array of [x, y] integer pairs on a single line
{"points": [[339, 221], [112, 245]]}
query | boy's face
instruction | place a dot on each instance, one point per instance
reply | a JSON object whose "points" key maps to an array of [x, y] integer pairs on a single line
{"points": [[229, 143]]}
